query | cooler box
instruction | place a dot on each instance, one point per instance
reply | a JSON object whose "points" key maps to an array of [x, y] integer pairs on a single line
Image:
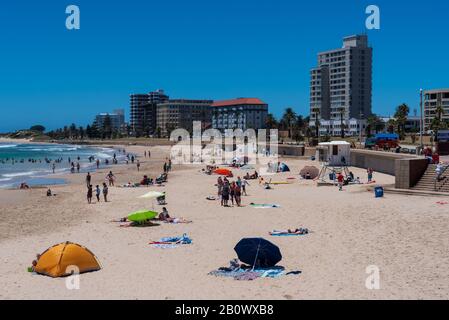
{"points": [[379, 192]]}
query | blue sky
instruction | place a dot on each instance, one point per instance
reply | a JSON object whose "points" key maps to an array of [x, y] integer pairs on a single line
{"points": [[204, 49]]}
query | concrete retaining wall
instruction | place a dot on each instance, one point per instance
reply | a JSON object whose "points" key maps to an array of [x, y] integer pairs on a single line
{"points": [[384, 162], [409, 171]]}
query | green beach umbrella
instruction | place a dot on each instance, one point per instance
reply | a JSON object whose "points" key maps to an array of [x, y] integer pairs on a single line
{"points": [[142, 215]]}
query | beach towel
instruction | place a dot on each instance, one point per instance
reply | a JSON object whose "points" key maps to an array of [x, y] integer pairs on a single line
{"points": [[171, 242], [286, 234], [276, 233], [264, 206], [442, 203], [249, 274]]}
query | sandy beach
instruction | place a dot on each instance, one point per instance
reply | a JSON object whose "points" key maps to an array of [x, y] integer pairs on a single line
{"points": [[406, 237]]}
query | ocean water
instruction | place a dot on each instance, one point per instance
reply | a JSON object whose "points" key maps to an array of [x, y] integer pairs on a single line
{"points": [[32, 163]]}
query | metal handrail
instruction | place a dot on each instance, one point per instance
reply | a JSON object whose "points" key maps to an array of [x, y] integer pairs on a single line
{"points": [[446, 168]]}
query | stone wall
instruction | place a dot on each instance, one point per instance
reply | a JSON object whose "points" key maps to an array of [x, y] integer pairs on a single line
{"points": [[409, 171], [384, 162]]}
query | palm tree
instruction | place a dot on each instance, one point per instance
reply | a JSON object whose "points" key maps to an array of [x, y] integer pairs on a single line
{"points": [[316, 112], [271, 122], [289, 118], [401, 118], [437, 122]]}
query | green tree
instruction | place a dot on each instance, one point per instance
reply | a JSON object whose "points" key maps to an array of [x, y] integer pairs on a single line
{"points": [[271, 122], [401, 115], [437, 122], [38, 128], [289, 119]]}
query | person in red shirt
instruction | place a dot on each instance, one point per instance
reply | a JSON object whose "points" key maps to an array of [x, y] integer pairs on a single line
{"points": [[340, 180]]}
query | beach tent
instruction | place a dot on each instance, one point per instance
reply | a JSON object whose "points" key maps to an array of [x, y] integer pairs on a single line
{"points": [[223, 172], [258, 252], [55, 261], [284, 168], [314, 172]]}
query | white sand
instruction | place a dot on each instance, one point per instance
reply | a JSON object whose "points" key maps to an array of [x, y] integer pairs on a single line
{"points": [[406, 237]]}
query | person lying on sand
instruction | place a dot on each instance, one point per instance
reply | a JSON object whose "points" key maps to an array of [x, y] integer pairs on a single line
{"points": [[300, 231], [165, 217]]}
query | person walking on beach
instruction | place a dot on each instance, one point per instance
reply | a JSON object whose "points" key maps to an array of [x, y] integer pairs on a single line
{"points": [[169, 165], [110, 178], [89, 194], [145, 154], [98, 163], [88, 179], [220, 188], [149, 154], [225, 194], [232, 192], [132, 159], [238, 195], [78, 167], [244, 184], [54, 167], [97, 192], [370, 174], [340, 179], [138, 165], [105, 192], [165, 167]]}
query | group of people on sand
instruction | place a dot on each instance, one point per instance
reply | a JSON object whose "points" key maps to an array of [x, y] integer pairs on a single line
{"points": [[98, 190], [231, 191]]}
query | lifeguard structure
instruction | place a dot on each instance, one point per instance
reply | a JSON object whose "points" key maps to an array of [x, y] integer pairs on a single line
{"points": [[334, 157]]}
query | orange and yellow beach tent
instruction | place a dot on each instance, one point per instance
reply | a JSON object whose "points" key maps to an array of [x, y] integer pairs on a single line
{"points": [[59, 260]]}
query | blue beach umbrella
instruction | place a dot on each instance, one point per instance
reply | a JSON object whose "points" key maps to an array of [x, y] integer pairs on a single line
{"points": [[258, 252]]}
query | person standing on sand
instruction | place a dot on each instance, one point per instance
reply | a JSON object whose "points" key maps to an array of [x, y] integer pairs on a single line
{"points": [[98, 163], [110, 178], [54, 167], [370, 174], [97, 192], [138, 165], [225, 194], [78, 167], [169, 165], [165, 167], [340, 179], [220, 188], [88, 179], [89, 194], [105, 192], [149, 154], [145, 154]]}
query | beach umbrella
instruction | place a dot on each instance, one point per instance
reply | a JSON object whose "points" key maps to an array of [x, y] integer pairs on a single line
{"points": [[58, 260], [152, 195], [142, 215], [313, 171], [258, 252]]}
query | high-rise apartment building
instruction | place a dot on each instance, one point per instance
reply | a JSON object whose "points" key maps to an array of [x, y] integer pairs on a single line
{"points": [[116, 119], [341, 85], [143, 109], [241, 113], [433, 99], [181, 113]]}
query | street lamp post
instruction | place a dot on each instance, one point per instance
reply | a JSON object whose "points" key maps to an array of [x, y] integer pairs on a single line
{"points": [[421, 122]]}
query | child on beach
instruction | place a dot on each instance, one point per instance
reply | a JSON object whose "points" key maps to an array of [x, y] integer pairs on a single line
{"points": [[340, 180], [97, 192]]}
